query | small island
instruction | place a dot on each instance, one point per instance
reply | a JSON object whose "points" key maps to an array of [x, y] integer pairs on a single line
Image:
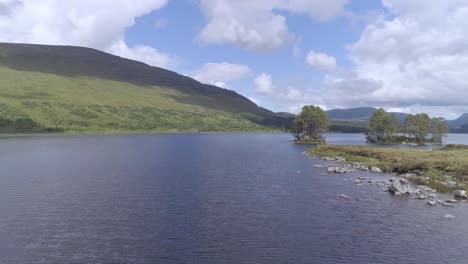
{"points": [[385, 128]]}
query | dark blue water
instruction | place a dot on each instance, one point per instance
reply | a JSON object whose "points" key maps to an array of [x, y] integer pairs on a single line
{"points": [[205, 198]]}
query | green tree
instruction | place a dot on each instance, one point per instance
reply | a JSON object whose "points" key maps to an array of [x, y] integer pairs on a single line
{"points": [[382, 127], [439, 129], [418, 127], [310, 125], [395, 126]]}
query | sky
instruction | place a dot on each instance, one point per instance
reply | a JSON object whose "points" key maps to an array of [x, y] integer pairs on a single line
{"points": [[401, 55]]}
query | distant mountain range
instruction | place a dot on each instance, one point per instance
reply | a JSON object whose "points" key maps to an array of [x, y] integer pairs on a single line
{"points": [[363, 114], [80, 89], [359, 117]]}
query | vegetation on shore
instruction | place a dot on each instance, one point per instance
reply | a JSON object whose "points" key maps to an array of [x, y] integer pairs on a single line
{"points": [[385, 128], [431, 167], [310, 125]]}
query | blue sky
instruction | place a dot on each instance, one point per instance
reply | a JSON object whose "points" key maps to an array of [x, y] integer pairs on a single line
{"points": [[282, 54], [179, 35]]}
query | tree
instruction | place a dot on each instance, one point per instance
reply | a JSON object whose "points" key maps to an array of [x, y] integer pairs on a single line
{"points": [[417, 127], [439, 129], [310, 125], [382, 127]]}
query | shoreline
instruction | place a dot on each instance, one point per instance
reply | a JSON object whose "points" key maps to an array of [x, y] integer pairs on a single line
{"points": [[444, 169]]}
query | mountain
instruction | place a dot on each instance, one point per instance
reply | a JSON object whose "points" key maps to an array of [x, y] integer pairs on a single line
{"points": [[462, 120], [286, 114], [361, 114], [354, 120], [352, 114], [80, 89]]}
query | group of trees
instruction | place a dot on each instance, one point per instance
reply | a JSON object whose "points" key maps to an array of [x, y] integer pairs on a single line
{"points": [[386, 128], [310, 125]]}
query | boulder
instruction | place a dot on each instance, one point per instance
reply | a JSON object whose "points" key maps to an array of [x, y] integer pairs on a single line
{"points": [[358, 181], [449, 216], [343, 196], [399, 186], [376, 170], [340, 159], [332, 169], [431, 203], [460, 194]]}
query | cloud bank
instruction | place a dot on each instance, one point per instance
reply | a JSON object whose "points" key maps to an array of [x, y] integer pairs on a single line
{"points": [[96, 24], [256, 25]]}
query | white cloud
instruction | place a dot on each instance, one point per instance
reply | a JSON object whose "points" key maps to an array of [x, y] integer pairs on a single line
{"points": [[321, 61], [219, 73], [255, 25], [142, 53], [414, 59], [97, 24], [264, 84]]}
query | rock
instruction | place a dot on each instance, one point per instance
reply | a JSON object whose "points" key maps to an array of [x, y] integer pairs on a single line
{"points": [[361, 178], [357, 181], [376, 170], [421, 197], [318, 166], [452, 201], [460, 194], [407, 175], [440, 201], [449, 216], [343, 196], [431, 195], [340, 159], [451, 183], [447, 204], [431, 203], [400, 186], [397, 193], [423, 188], [332, 169]]}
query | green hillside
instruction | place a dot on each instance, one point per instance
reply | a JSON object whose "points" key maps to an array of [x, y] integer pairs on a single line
{"points": [[83, 90]]}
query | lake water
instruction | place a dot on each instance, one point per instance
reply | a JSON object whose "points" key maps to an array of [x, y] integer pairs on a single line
{"points": [[207, 198]]}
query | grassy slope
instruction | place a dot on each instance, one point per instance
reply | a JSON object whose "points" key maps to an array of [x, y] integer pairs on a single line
{"points": [[90, 104], [450, 160], [85, 90]]}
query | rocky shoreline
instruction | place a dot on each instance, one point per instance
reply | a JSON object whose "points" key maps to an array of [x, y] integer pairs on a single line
{"points": [[397, 185]]}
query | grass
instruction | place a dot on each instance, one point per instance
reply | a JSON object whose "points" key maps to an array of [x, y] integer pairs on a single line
{"points": [[434, 165], [90, 104], [84, 90]]}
